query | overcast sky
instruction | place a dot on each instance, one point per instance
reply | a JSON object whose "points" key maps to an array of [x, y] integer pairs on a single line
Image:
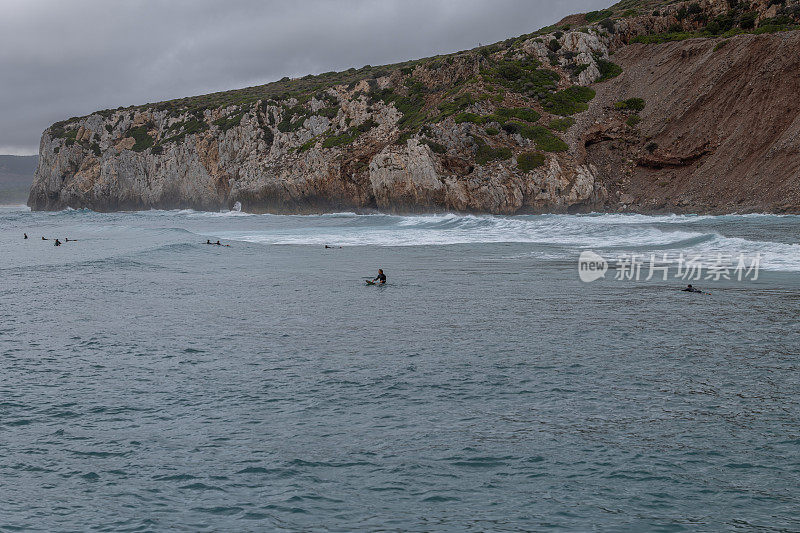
{"points": [[62, 58]]}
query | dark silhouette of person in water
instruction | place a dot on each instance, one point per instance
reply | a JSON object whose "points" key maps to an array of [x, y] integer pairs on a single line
{"points": [[25, 235], [218, 243], [689, 288], [69, 240], [208, 241], [45, 239], [57, 243], [381, 276]]}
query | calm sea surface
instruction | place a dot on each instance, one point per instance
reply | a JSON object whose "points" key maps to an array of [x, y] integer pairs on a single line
{"points": [[149, 382]]}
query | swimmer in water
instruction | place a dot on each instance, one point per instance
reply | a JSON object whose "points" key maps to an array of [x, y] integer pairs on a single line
{"points": [[381, 277]]}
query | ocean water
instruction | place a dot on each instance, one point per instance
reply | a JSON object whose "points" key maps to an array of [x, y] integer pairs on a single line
{"points": [[149, 382]]}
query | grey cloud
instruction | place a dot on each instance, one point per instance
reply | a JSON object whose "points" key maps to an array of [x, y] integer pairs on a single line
{"points": [[61, 59]]}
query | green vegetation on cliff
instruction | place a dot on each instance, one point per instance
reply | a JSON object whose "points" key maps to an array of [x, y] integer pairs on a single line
{"points": [[143, 139], [631, 104], [528, 161], [561, 124], [608, 69], [569, 101], [485, 153]]}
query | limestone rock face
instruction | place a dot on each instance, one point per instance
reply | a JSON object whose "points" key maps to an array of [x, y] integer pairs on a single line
{"points": [[301, 168], [405, 179]]}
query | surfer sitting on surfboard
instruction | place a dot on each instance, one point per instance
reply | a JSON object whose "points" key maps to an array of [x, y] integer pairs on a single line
{"points": [[381, 278]]}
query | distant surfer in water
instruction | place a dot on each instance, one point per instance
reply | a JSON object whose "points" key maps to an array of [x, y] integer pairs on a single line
{"points": [[25, 235], [45, 239], [208, 241], [381, 277], [689, 288], [57, 243]]}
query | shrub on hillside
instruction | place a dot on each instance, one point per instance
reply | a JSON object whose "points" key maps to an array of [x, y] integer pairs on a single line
{"points": [[748, 20], [338, 140], [569, 101], [528, 161], [486, 153], [469, 117], [608, 69], [142, 138], [631, 104], [608, 25], [522, 113], [561, 124], [457, 104], [594, 16], [543, 138]]}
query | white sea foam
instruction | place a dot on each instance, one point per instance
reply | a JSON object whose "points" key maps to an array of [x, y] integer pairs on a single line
{"points": [[613, 234], [773, 237]]}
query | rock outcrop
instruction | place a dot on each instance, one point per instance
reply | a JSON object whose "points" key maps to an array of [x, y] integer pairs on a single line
{"points": [[575, 117]]}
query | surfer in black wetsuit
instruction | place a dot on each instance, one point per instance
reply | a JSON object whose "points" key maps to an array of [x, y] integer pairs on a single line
{"points": [[381, 276], [45, 239], [689, 288], [57, 243], [25, 235]]}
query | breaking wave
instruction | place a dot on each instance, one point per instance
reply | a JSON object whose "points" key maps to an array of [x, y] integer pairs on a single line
{"points": [[613, 234], [773, 237]]}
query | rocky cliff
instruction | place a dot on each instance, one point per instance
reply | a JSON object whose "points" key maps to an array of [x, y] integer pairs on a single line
{"points": [[649, 107]]}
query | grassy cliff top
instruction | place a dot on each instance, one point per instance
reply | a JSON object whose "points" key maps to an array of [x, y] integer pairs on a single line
{"points": [[692, 21], [286, 87]]}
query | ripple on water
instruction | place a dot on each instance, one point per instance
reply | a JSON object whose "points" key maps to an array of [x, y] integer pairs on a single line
{"points": [[220, 510], [481, 462], [175, 477], [202, 487], [262, 388]]}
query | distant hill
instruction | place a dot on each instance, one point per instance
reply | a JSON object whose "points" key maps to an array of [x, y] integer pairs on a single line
{"points": [[16, 176], [647, 106]]}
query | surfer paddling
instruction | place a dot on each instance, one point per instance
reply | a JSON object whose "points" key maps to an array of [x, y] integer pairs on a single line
{"points": [[690, 288], [381, 278]]}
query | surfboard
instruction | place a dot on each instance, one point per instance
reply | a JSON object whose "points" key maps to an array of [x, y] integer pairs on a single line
{"points": [[370, 282]]}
